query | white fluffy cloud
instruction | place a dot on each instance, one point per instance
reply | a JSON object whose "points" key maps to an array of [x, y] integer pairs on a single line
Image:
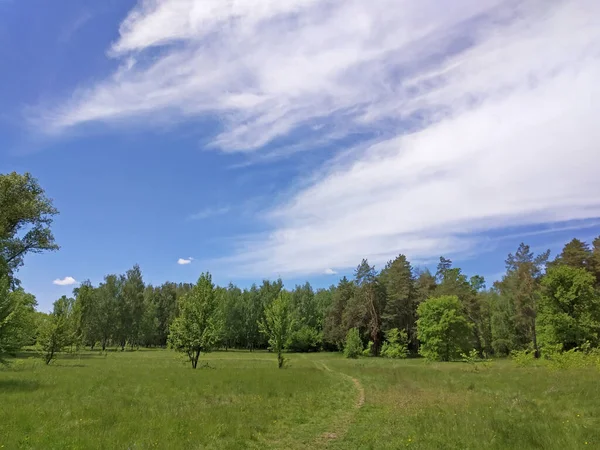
{"points": [[183, 261], [66, 281], [329, 272], [480, 115]]}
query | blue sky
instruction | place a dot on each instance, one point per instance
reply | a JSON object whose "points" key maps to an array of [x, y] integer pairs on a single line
{"points": [[263, 138]]}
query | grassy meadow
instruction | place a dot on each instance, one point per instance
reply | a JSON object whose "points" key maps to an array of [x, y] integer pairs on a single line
{"points": [[153, 399]]}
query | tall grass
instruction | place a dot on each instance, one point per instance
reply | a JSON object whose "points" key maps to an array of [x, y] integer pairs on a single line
{"points": [[152, 399]]}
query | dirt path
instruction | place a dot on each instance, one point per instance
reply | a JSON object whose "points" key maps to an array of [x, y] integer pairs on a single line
{"points": [[341, 425]]}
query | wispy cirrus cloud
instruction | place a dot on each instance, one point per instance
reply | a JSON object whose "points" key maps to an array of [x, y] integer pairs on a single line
{"points": [[66, 281], [478, 116], [209, 212]]}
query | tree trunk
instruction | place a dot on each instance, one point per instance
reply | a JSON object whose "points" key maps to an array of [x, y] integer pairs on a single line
{"points": [[195, 357], [49, 356], [536, 350], [279, 359]]}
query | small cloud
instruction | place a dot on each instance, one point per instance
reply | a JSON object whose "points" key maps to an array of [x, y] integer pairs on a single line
{"points": [[329, 272], [183, 261], [209, 212], [66, 281]]}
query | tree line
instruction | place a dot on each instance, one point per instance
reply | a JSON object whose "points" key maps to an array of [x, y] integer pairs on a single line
{"points": [[397, 311]]}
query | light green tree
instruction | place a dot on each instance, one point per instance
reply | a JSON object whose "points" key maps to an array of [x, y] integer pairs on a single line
{"points": [[17, 319], [199, 325], [133, 305], [569, 308], [354, 345], [396, 344], [277, 324], [443, 329], [56, 329]]}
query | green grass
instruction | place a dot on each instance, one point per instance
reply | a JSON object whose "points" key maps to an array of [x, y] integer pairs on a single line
{"points": [[153, 399]]}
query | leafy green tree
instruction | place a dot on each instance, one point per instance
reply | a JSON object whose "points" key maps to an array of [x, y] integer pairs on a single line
{"points": [[308, 320], [17, 319], [25, 218], [163, 299], [353, 346], [56, 330], [150, 326], [569, 309], [451, 281], [199, 325], [253, 310], [443, 329], [109, 317], [133, 305], [502, 323], [277, 324], [88, 305]]}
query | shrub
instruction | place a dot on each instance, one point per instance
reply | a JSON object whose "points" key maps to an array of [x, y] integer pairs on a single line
{"points": [[369, 350], [396, 345], [354, 346], [523, 358], [305, 339]]}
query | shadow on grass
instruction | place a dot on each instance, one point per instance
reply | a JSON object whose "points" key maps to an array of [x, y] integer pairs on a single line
{"points": [[18, 386]]}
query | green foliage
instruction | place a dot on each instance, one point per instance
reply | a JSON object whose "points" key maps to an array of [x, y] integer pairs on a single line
{"points": [[400, 304], [305, 339], [520, 287], [199, 325], [368, 351], [25, 218], [354, 346], [396, 344], [56, 330], [473, 360], [334, 330], [523, 358], [443, 330], [17, 319], [569, 308], [277, 325]]}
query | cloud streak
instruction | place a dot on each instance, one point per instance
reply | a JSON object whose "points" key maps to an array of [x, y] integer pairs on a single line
{"points": [[184, 261], [478, 117], [209, 212]]}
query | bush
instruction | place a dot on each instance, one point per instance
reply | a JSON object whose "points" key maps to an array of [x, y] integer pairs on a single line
{"points": [[354, 345], [576, 358], [369, 350], [523, 358], [305, 339], [396, 345]]}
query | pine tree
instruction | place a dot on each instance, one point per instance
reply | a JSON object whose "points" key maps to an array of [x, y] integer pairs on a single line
{"points": [[400, 306]]}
